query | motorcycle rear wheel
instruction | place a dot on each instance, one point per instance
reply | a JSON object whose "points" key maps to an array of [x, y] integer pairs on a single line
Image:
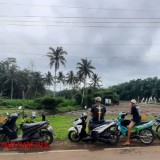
{"points": [[146, 136], [114, 138], [73, 136], [48, 136]]}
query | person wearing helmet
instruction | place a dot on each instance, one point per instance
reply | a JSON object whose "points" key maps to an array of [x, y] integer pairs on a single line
{"points": [[136, 118], [97, 112]]}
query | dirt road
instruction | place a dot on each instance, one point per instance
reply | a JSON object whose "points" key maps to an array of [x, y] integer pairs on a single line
{"points": [[131, 153]]}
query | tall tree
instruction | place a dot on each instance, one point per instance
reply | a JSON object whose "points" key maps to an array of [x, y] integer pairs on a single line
{"points": [[48, 80], [9, 74], [85, 70], [61, 78], [70, 78], [37, 83], [56, 58], [95, 80]]}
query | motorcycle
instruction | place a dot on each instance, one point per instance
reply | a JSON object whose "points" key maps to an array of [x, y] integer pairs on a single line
{"points": [[157, 126], [142, 130], [33, 132], [99, 132]]}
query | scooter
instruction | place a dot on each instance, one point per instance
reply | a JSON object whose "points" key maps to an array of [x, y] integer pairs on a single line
{"points": [[99, 132], [33, 132], [142, 130]]}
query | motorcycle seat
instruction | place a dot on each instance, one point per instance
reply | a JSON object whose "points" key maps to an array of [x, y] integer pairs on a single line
{"points": [[92, 126], [30, 125]]}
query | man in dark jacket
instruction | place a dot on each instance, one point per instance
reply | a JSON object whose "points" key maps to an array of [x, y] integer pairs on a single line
{"points": [[97, 112]]}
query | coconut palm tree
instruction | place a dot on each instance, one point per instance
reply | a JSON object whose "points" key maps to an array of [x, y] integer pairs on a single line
{"points": [[37, 83], [84, 71], [70, 78], [48, 80], [95, 80], [61, 78], [56, 58]]}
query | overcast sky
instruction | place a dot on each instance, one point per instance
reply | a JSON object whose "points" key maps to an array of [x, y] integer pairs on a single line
{"points": [[120, 51]]}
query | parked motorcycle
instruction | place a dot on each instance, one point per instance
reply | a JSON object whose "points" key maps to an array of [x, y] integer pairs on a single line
{"points": [[99, 132], [157, 125], [142, 130], [33, 132]]}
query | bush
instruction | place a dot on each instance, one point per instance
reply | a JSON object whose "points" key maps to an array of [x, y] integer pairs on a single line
{"points": [[3, 103], [48, 102], [78, 98], [29, 107], [88, 101], [66, 103]]}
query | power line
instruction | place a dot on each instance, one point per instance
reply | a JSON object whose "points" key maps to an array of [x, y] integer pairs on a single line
{"points": [[79, 26], [74, 21], [92, 57], [71, 17], [78, 7], [80, 44]]}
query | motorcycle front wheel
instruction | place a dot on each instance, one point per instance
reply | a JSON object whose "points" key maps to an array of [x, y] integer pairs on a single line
{"points": [[48, 136], [73, 136], [3, 138], [146, 136]]}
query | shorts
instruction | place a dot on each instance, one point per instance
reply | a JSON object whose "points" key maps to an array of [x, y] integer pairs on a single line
{"points": [[131, 125]]}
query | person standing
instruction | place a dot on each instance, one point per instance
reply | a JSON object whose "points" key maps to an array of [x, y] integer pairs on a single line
{"points": [[43, 115]]}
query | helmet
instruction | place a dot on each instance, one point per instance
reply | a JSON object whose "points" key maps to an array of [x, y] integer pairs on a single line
{"points": [[133, 101], [98, 99]]}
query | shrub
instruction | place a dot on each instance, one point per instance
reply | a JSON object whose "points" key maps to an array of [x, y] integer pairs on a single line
{"points": [[3, 103], [78, 98], [88, 101], [66, 103], [48, 102]]}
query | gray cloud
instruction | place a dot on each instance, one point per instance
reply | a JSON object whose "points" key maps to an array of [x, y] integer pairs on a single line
{"points": [[114, 63]]}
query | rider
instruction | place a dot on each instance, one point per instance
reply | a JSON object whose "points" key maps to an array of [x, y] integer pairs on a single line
{"points": [[136, 118], [97, 112]]}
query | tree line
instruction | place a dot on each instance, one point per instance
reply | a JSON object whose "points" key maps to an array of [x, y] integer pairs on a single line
{"points": [[26, 83], [139, 89], [81, 83]]}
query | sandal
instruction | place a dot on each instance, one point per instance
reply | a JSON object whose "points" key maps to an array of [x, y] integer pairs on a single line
{"points": [[126, 144]]}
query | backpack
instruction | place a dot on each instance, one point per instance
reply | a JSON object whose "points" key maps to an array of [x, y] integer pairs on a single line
{"points": [[139, 111]]}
